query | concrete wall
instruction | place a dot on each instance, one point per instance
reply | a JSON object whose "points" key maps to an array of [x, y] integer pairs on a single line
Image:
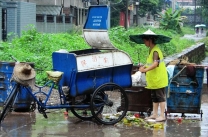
{"points": [[26, 13], [67, 3], [19, 16], [54, 27], [11, 18], [195, 53]]}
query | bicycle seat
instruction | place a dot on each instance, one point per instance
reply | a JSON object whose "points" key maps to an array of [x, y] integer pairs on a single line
{"points": [[54, 75]]}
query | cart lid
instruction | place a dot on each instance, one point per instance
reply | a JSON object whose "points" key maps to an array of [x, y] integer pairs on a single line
{"points": [[96, 27]]}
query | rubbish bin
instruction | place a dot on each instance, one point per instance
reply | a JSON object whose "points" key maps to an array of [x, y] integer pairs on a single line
{"points": [[139, 97], [184, 91], [24, 99]]}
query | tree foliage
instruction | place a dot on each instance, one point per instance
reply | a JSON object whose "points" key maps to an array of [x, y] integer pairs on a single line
{"points": [[145, 7], [171, 20], [205, 13]]}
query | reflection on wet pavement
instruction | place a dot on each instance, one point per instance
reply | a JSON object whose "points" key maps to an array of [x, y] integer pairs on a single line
{"points": [[59, 125]]}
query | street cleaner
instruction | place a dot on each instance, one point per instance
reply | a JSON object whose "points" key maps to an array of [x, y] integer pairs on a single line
{"points": [[155, 71]]}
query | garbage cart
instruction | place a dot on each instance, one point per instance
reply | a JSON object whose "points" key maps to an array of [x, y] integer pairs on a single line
{"points": [[185, 90], [100, 73], [24, 100]]}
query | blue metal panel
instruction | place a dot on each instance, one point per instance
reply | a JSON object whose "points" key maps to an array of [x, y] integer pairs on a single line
{"points": [[66, 63], [88, 82], [184, 96], [24, 99], [6, 70], [122, 75], [97, 18]]}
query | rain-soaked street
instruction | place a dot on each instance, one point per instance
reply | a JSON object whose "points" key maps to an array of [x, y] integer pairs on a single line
{"points": [[33, 124], [25, 124]]}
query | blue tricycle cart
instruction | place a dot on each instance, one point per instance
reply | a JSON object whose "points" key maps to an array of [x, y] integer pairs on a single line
{"points": [[90, 82], [96, 78]]}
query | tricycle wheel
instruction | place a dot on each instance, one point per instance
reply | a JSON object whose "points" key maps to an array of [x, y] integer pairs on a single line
{"points": [[83, 113], [110, 97]]}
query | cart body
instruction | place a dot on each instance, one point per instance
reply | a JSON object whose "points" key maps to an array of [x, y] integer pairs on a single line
{"points": [[86, 70], [184, 93]]}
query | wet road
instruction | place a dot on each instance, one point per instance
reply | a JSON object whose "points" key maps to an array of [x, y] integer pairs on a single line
{"points": [[195, 37], [33, 124]]}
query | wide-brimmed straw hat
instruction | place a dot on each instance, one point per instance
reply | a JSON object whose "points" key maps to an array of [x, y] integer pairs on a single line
{"points": [[159, 39], [24, 71]]}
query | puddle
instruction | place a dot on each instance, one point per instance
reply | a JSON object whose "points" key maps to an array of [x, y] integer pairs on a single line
{"points": [[58, 125]]}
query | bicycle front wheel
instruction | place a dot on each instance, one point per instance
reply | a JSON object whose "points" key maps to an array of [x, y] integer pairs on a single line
{"points": [[8, 104]]}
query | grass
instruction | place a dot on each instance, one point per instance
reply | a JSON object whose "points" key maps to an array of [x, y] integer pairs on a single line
{"points": [[188, 30]]}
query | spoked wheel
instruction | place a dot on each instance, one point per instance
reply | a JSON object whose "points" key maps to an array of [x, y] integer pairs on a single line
{"points": [[83, 113], [111, 97], [8, 104]]}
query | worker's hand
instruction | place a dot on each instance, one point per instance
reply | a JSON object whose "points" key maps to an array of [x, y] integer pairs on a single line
{"points": [[142, 69]]}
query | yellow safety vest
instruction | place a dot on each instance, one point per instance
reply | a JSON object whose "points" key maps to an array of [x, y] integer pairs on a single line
{"points": [[157, 77]]}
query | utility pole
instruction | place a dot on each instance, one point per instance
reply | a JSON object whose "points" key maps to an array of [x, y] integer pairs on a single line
{"points": [[137, 16], [195, 13], [126, 17]]}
